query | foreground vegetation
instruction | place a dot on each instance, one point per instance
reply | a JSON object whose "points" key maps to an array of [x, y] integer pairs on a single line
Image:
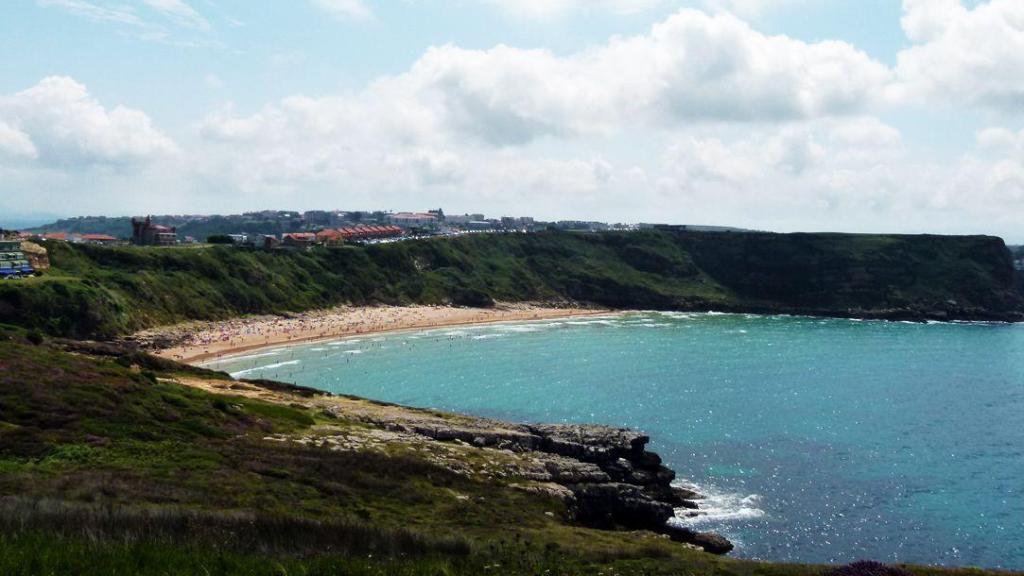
{"points": [[100, 292], [109, 465]]}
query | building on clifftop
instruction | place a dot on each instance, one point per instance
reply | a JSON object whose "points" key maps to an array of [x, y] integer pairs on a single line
{"points": [[145, 233]]}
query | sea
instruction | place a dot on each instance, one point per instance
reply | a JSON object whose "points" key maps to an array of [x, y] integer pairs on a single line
{"points": [[815, 440]]}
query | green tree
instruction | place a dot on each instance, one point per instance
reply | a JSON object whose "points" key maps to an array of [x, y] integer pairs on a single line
{"points": [[220, 239]]}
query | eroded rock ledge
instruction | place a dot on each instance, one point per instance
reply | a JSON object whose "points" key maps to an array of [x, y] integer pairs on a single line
{"points": [[605, 475]]}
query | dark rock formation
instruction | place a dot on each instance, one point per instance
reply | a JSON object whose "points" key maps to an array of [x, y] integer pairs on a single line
{"points": [[611, 505], [712, 543], [606, 476]]}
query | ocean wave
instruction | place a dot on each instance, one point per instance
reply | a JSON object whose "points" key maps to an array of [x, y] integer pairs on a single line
{"points": [[267, 367], [719, 506], [248, 356], [590, 322], [673, 315], [489, 336], [345, 342], [520, 328]]}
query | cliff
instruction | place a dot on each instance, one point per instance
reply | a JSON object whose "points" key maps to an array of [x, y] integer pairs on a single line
{"points": [[102, 292]]}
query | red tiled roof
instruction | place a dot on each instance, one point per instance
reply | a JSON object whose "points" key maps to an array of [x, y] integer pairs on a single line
{"points": [[56, 236], [98, 237]]}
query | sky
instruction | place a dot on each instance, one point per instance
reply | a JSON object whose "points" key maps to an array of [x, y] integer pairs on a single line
{"points": [[786, 115]]}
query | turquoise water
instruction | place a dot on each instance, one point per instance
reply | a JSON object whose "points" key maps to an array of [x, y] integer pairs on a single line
{"points": [[819, 440]]}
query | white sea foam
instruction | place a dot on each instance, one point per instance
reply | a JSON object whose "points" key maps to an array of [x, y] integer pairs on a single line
{"points": [[352, 352], [345, 342], [677, 315], [719, 506], [590, 322], [520, 328], [267, 367], [249, 356], [489, 336]]}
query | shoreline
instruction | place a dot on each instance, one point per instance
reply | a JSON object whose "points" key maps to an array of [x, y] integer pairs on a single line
{"points": [[201, 343]]}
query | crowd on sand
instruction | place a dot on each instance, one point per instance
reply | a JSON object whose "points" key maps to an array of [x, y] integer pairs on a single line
{"points": [[197, 342]]}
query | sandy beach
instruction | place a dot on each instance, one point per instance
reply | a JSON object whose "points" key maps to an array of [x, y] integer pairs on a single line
{"points": [[199, 342]]}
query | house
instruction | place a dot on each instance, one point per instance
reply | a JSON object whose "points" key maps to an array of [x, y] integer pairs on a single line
{"points": [[13, 261], [360, 233], [357, 234], [479, 226], [464, 219], [102, 239], [413, 220], [270, 242], [145, 233], [301, 240], [330, 237]]}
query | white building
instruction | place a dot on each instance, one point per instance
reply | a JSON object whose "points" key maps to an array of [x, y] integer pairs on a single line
{"points": [[413, 220]]}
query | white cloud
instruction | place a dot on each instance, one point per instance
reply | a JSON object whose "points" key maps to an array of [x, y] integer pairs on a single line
{"points": [[690, 68], [345, 9], [421, 131], [1001, 141], [170, 22], [972, 56], [180, 13], [59, 122], [748, 8], [816, 151], [14, 142], [97, 12], [850, 174]]}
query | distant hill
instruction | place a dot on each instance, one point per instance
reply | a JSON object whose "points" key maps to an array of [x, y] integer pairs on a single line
{"points": [[198, 227], [106, 292]]}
